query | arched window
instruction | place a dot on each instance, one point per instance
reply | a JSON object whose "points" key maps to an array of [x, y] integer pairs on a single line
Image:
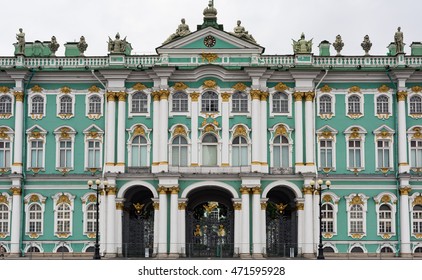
{"points": [[37, 105], [139, 151], [239, 151], [63, 218], [327, 218], [417, 219], [416, 153], [386, 249], [281, 151], [209, 102], [94, 104], [5, 104], [4, 154], [209, 150], [4, 218], [325, 104], [354, 105], [280, 102], [382, 105], [139, 103], [356, 219], [240, 102], [384, 219], [329, 249], [62, 249], [90, 249], [179, 151], [416, 104], [65, 105], [356, 250], [180, 102], [33, 249], [35, 215], [418, 250], [91, 218]]}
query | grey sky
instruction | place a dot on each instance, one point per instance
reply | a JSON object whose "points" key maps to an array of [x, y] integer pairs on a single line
{"points": [[273, 23]]}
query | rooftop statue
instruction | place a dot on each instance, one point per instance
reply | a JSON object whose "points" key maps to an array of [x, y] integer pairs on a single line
{"points": [[240, 32], [210, 11], [117, 45], [21, 42], [82, 45], [338, 44], [181, 31], [302, 46], [366, 44], [53, 45], [398, 40]]}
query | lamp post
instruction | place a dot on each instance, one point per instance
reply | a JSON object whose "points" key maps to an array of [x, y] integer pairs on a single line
{"points": [[97, 189], [320, 189]]}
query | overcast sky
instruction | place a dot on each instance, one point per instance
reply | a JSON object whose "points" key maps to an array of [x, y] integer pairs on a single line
{"points": [[273, 23]]}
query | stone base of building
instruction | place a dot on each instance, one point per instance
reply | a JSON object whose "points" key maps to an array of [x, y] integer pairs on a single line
{"points": [[309, 255], [245, 256], [258, 256]]}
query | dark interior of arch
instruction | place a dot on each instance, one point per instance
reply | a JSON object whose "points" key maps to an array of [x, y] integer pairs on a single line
{"points": [[206, 194], [282, 194]]}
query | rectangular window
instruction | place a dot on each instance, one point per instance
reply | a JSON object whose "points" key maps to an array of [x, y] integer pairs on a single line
{"points": [[94, 150], [65, 153], [355, 154], [326, 153], [383, 153], [37, 152], [416, 153], [4, 154]]}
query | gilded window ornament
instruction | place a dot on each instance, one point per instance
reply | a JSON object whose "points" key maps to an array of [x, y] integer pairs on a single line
{"points": [[3, 199], [385, 199], [281, 87], [225, 96], [180, 86], [383, 89], [355, 133], [210, 84], [4, 89], [355, 89], [91, 235], [92, 198], [417, 201], [194, 96], [179, 130], [416, 116], [326, 198], [384, 134], [401, 95], [34, 198], [36, 135], [240, 87], [139, 130], [240, 131], [94, 134], [65, 90], [94, 88], [33, 235], [36, 88], [4, 134], [210, 57], [209, 128], [326, 88], [281, 130], [357, 235], [63, 199], [63, 235], [326, 135], [64, 133], [417, 89], [328, 235], [356, 200], [139, 87], [417, 133], [386, 236]]}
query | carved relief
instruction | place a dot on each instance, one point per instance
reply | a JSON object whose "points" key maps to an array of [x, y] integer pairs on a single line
{"points": [[240, 87], [139, 87], [281, 87], [210, 84], [180, 86]]}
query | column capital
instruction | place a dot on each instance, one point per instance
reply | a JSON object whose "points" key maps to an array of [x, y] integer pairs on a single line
{"points": [[194, 96], [225, 96], [307, 190], [300, 206], [237, 206], [111, 190], [309, 96], [298, 95], [111, 96], [264, 95], [156, 205], [175, 190], [405, 190], [256, 190], [119, 205], [121, 95], [164, 94], [18, 96], [162, 190], [244, 190], [263, 205], [401, 95], [182, 205], [16, 190], [156, 95], [255, 94]]}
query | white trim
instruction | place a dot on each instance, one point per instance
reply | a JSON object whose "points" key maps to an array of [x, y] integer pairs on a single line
{"points": [[393, 206], [415, 246], [197, 185], [33, 244], [330, 245], [87, 245], [357, 245], [289, 94], [71, 133], [361, 106], [128, 185], [364, 199], [390, 105], [31, 95], [58, 106], [87, 97], [56, 204], [28, 203], [362, 132], [279, 183], [386, 245], [12, 109], [62, 244], [333, 104], [131, 92]]}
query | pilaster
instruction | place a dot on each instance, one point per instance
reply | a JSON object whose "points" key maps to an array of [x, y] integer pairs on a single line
{"points": [[263, 135], [194, 128], [156, 131], [299, 165], [121, 132], [163, 137], [256, 130], [16, 228], [225, 129], [308, 228], [405, 218]]}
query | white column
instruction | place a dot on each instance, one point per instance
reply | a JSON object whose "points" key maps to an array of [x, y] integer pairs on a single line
{"points": [[315, 220], [121, 131], [194, 128], [298, 131], [111, 128], [111, 210], [174, 211], [163, 138], [225, 129], [264, 225], [308, 229], [162, 234], [156, 205], [263, 133], [18, 137], [401, 111], [404, 220], [182, 226], [155, 132], [103, 221], [256, 220], [16, 220], [119, 226], [309, 130], [245, 248], [237, 206], [256, 106], [300, 225]]}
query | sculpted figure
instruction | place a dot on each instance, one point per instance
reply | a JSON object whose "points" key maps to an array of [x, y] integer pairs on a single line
{"points": [[54, 46], [302, 46], [82, 45], [338, 44], [181, 31], [117, 45], [241, 32], [366, 44], [398, 39], [21, 41]]}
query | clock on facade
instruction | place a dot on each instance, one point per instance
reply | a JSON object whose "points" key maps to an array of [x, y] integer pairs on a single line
{"points": [[209, 41]]}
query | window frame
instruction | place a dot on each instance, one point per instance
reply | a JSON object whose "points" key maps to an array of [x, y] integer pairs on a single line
{"points": [[32, 199], [413, 203], [59, 200], [89, 199], [217, 145], [95, 134], [7, 114], [412, 135], [287, 101], [179, 101], [36, 134], [6, 152], [361, 201], [352, 114], [147, 93], [389, 105], [246, 100], [135, 130], [355, 133], [88, 113], [178, 146], [216, 101], [65, 133], [416, 106], [239, 146], [6, 202], [37, 115]]}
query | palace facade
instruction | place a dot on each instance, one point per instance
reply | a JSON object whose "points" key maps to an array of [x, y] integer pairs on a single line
{"points": [[210, 149]]}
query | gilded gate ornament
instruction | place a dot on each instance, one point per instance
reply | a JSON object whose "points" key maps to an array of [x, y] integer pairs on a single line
{"points": [[280, 207]]}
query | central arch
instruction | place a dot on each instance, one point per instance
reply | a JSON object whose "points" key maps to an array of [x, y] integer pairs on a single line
{"points": [[209, 222]]}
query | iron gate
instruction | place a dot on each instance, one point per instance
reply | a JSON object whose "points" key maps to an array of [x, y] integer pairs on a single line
{"points": [[209, 231]]}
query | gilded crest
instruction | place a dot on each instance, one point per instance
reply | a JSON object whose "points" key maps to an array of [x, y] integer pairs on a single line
{"points": [[326, 198], [326, 88], [326, 134], [36, 88], [240, 131], [209, 128], [3, 199], [179, 130], [240, 87], [385, 199], [355, 133], [281, 87], [4, 89], [139, 130], [356, 200], [418, 200], [417, 89], [93, 134], [3, 133], [138, 207], [34, 198], [92, 198], [94, 88], [36, 134], [63, 199], [281, 130], [210, 84], [64, 133], [65, 90], [180, 86], [211, 206], [383, 88], [210, 57], [354, 89], [139, 86], [384, 134], [417, 134]]}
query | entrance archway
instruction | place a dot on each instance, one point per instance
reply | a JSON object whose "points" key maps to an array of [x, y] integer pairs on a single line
{"points": [[138, 222], [209, 223], [281, 223]]}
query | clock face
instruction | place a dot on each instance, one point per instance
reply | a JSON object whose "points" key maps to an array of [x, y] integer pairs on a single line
{"points": [[209, 41]]}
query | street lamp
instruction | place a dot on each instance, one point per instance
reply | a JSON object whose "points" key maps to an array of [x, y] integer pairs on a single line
{"points": [[319, 188], [97, 189]]}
